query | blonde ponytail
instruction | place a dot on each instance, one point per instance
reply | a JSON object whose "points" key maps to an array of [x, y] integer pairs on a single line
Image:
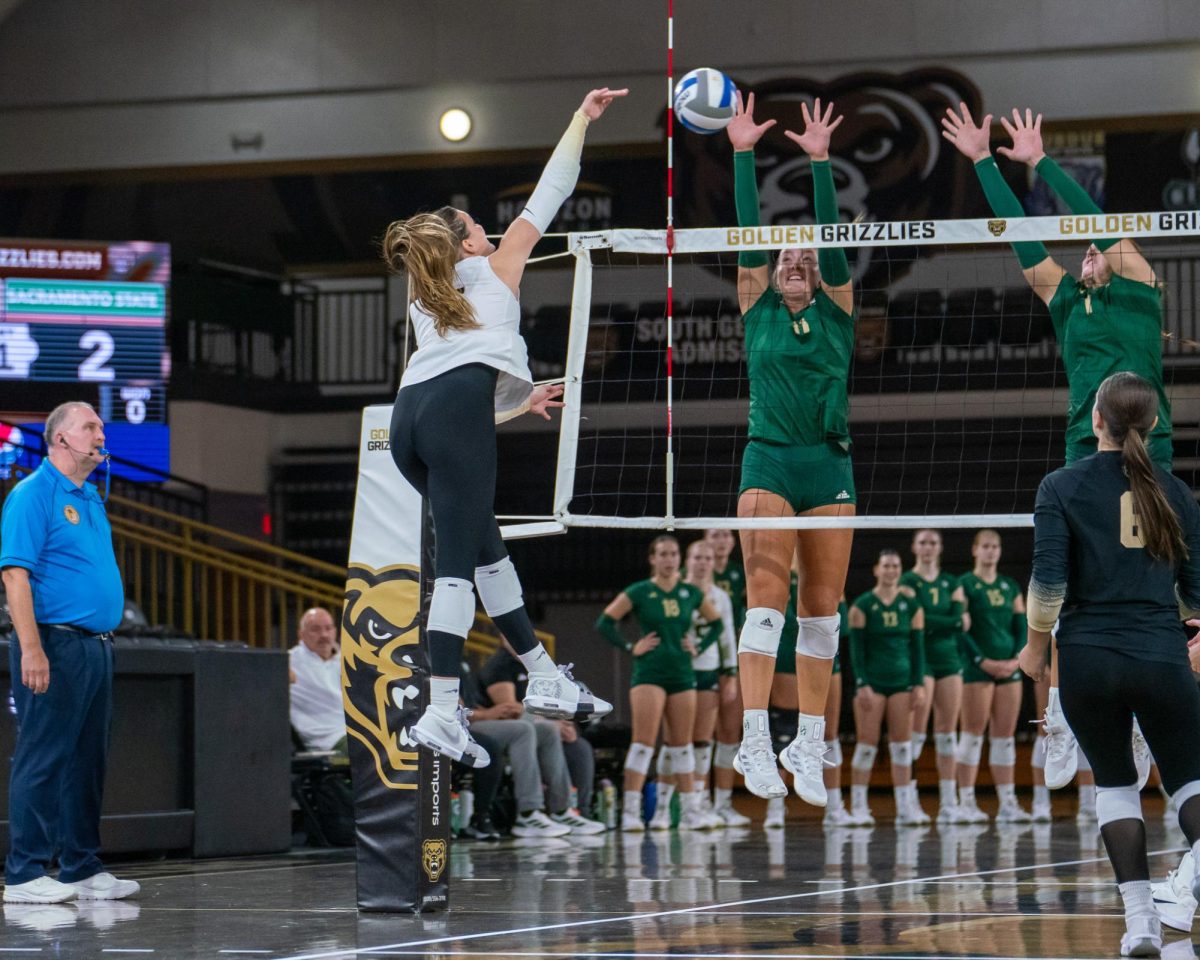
{"points": [[427, 246]]}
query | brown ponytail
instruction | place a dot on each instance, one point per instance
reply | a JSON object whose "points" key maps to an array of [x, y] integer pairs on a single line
{"points": [[1128, 405], [427, 245]]}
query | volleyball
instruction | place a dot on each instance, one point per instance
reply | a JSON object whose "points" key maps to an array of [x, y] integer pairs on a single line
{"points": [[705, 100]]}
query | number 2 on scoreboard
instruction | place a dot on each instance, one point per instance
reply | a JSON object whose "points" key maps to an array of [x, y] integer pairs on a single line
{"points": [[100, 343]]}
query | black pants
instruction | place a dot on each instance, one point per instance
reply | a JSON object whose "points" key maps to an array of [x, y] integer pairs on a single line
{"points": [[1102, 689], [443, 438]]}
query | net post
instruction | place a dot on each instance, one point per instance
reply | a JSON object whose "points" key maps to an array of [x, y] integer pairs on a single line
{"points": [[577, 334]]}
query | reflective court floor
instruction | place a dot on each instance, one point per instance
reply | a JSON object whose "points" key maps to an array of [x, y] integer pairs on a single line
{"points": [[988, 891]]}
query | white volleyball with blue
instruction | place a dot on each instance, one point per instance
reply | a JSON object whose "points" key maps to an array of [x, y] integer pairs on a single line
{"points": [[705, 100]]}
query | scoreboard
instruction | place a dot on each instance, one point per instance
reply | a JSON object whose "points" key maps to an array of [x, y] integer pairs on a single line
{"points": [[88, 321]]}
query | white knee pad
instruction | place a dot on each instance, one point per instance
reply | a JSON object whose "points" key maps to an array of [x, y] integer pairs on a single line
{"points": [[683, 759], [864, 756], [901, 753], [761, 632], [664, 764], [452, 609], [638, 758], [724, 755], [499, 587], [818, 636], [1002, 751], [945, 744], [970, 749], [918, 744], [704, 756], [1084, 764], [1118, 803], [1038, 761], [833, 752]]}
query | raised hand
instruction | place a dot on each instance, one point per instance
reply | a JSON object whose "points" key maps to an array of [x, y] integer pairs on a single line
{"points": [[596, 102], [970, 139], [743, 132], [817, 130], [1026, 136]]}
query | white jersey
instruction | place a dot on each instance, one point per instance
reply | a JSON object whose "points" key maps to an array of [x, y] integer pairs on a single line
{"points": [[713, 658], [496, 342]]}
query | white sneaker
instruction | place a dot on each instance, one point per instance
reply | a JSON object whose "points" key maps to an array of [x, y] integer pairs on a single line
{"points": [[729, 817], [104, 886], [632, 822], [707, 813], [917, 812], [909, 814], [1174, 898], [970, 813], [450, 738], [1086, 812], [578, 822], [537, 824], [41, 890], [662, 817], [1062, 760], [861, 817], [1042, 813], [696, 815], [755, 760], [1142, 937], [1012, 812], [948, 813], [776, 813], [805, 761], [563, 697], [1142, 758], [837, 817]]}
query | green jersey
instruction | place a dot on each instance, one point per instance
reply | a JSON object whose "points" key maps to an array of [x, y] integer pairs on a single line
{"points": [[667, 613], [943, 617], [1104, 330], [733, 581], [994, 627], [799, 365], [887, 651]]}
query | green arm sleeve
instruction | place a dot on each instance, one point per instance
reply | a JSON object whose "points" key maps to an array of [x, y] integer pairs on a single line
{"points": [[710, 633], [1004, 203], [940, 623], [858, 655], [745, 198], [612, 633], [835, 270], [970, 648], [1020, 629], [1075, 197], [916, 650]]}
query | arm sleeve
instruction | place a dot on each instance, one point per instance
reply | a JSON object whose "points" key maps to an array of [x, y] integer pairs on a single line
{"points": [[916, 650], [745, 198], [1020, 630], [1051, 546], [858, 655], [835, 270], [1004, 203], [710, 632], [612, 633], [944, 622], [1071, 193], [970, 648], [558, 177]]}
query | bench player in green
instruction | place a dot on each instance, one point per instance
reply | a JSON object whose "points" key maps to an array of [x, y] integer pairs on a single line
{"points": [[663, 681], [730, 577], [934, 589], [995, 633], [1108, 321], [799, 343], [887, 654]]}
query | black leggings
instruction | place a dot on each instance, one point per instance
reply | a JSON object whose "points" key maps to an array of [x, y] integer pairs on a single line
{"points": [[1101, 689]]}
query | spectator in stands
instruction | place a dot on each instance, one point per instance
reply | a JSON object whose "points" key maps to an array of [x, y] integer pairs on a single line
{"points": [[502, 680], [316, 691], [65, 596]]}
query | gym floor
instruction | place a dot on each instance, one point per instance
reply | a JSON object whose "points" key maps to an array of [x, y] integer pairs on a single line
{"points": [[988, 891]]}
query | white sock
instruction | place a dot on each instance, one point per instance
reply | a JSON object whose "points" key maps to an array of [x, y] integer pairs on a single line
{"points": [[1087, 795], [1138, 901], [1007, 792], [1041, 796], [538, 662], [663, 798], [722, 798], [1052, 704], [755, 723], [443, 696], [913, 794], [900, 794], [947, 792], [858, 795], [633, 802], [966, 796], [809, 727], [835, 800]]}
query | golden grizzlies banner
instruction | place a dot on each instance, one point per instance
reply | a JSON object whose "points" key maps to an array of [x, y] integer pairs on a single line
{"points": [[401, 795]]}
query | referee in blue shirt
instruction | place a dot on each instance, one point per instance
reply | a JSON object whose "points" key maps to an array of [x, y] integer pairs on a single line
{"points": [[65, 597]]}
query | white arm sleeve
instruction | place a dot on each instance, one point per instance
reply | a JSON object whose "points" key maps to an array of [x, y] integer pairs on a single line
{"points": [[558, 178], [504, 416]]}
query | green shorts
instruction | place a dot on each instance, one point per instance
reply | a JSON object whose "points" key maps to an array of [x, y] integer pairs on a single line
{"points": [[805, 476], [942, 657], [972, 674], [673, 679], [708, 680], [887, 689]]}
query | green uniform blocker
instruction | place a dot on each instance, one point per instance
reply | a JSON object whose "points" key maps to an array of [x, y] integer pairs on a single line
{"points": [[997, 633], [888, 653], [943, 622], [667, 613]]}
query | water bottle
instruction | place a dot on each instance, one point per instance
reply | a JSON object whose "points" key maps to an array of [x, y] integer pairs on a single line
{"points": [[455, 813], [607, 798], [466, 806]]}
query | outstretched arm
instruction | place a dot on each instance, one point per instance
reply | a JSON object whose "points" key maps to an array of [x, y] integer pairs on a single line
{"points": [[818, 131], [1123, 255], [555, 185], [972, 141], [753, 276]]}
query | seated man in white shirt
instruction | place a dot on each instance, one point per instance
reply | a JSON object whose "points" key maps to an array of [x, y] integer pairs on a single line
{"points": [[316, 690]]}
